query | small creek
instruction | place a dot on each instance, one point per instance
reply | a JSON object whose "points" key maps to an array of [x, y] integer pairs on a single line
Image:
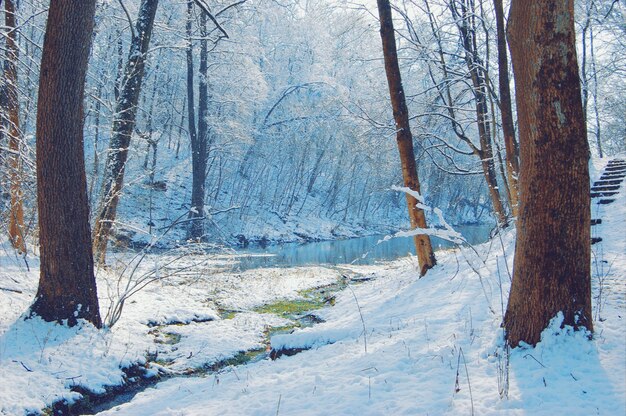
{"points": [[360, 250]]}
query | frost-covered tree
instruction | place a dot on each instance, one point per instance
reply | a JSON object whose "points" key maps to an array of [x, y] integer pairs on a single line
{"points": [[123, 127], [11, 105]]}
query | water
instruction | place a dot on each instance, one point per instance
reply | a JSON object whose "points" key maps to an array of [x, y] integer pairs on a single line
{"points": [[348, 250]]}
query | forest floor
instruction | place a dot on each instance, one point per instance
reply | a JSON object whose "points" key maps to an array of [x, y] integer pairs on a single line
{"points": [[369, 340]]}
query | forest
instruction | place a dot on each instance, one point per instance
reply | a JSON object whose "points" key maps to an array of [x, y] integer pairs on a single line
{"points": [[203, 207]]}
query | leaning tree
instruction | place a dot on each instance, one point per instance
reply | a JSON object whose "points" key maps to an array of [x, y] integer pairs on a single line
{"points": [[404, 138]]}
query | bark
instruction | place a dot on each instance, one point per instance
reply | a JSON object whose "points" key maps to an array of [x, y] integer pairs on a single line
{"points": [[553, 254], [423, 247], [3, 110], [67, 287], [96, 139], [16, 214], [199, 138], [123, 127], [506, 111]]}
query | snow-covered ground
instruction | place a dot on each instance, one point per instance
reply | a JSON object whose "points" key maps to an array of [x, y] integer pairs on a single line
{"points": [[175, 321], [398, 345], [391, 345]]}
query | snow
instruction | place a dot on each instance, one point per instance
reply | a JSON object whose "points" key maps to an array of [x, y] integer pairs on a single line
{"points": [[41, 362], [391, 344]]}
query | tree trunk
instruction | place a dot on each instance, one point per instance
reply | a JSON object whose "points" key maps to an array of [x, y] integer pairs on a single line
{"points": [[467, 30], [553, 254], [16, 214], [199, 138], [67, 287], [423, 247], [595, 92], [508, 128], [123, 127]]}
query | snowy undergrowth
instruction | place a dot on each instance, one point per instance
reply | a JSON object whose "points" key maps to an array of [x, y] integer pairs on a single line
{"points": [[401, 345], [169, 205], [174, 322], [393, 344]]}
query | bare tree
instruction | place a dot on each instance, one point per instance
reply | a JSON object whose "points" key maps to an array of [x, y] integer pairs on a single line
{"points": [[198, 137], [423, 247], [16, 214], [123, 127], [553, 254], [464, 14], [506, 112], [67, 286]]}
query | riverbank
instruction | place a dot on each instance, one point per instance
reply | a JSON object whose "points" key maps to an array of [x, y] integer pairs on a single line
{"points": [[401, 345], [393, 344], [195, 315]]}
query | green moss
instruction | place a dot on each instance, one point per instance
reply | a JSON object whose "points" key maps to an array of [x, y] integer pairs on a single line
{"points": [[289, 308], [227, 314], [242, 357], [163, 362], [310, 299], [285, 329], [169, 338]]}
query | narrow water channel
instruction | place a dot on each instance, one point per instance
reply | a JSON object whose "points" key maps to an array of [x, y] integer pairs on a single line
{"points": [[361, 250]]}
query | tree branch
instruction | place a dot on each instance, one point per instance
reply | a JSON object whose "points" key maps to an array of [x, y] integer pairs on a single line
{"points": [[130, 20], [206, 10]]}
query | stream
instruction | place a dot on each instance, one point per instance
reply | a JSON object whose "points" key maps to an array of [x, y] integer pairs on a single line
{"points": [[360, 250]]}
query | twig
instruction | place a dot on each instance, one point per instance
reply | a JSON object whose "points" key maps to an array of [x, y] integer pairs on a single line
{"points": [[26, 368], [469, 385], [230, 6], [506, 262], [130, 20], [280, 396], [11, 290], [362, 320], [503, 372], [538, 362]]}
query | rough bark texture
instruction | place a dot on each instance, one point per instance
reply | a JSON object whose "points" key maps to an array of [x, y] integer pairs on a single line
{"points": [[16, 214], [404, 138], [199, 137], [67, 287], [123, 127], [508, 128], [552, 256]]}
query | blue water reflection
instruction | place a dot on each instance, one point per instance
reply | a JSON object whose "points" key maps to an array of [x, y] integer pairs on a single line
{"points": [[349, 250]]}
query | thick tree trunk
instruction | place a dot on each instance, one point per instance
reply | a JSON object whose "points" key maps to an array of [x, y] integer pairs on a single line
{"points": [[508, 128], [552, 255], [67, 287], [123, 126], [404, 138], [16, 214]]}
